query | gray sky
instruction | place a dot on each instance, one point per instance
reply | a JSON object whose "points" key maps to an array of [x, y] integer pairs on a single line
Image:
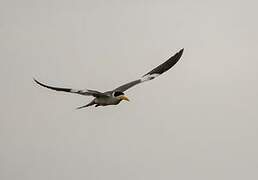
{"points": [[198, 121]]}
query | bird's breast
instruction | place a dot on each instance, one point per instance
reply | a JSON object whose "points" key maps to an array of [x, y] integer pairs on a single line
{"points": [[104, 101]]}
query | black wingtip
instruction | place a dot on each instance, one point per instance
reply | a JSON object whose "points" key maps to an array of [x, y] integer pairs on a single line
{"points": [[168, 64], [180, 52], [178, 55], [39, 83], [52, 87], [36, 81], [49, 87]]}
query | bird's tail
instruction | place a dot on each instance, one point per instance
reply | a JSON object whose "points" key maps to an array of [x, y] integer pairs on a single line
{"points": [[87, 105]]}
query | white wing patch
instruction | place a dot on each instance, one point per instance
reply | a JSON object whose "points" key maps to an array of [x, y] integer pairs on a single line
{"points": [[149, 77], [85, 91], [74, 90], [79, 91]]}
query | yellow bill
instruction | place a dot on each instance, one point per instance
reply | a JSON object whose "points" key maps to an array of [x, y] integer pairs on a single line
{"points": [[124, 98]]}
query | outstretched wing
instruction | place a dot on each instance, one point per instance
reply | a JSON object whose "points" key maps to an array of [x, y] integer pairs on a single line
{"points": [[85, 92], [153, 73]]}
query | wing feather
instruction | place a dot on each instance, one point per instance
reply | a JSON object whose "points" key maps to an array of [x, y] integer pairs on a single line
{"points": [[84, 92], [153, 73]]}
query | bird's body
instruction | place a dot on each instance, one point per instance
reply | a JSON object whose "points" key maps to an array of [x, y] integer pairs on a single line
{"points": [[115, 96], [104, 101]]}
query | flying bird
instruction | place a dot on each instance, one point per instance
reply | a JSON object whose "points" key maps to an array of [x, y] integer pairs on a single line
{"points": [[115, 96]]}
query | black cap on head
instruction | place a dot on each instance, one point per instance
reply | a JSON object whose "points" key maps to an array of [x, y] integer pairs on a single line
{"points": [[118, 93]]}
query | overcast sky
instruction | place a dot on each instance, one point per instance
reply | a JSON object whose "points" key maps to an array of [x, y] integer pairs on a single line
{"points": [[198, 121]]}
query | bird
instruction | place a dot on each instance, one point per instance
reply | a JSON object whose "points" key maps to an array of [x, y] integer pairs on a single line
{"points": [[114, 97]]}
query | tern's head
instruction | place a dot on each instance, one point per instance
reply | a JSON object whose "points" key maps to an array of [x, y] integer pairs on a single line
{"points": [[120, 95]]}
